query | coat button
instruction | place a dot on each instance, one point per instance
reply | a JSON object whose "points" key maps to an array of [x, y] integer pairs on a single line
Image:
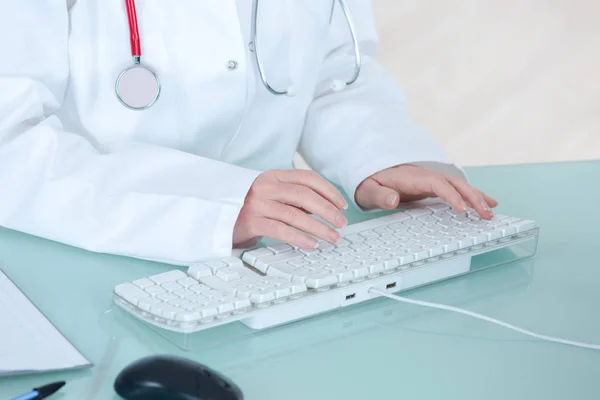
{"points": [[232, 65]]}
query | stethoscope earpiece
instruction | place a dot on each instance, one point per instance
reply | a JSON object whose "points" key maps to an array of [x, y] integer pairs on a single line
{"points": [[338, 85], [291, 91]]}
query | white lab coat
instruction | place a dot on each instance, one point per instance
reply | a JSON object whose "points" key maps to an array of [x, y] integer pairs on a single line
{"points": [[167, 183]]}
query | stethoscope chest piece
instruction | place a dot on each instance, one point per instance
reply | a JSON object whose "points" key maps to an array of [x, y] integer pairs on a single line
{"points": [[137, 87]]}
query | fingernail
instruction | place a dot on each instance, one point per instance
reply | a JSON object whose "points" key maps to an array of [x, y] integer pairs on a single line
{"points": [[391, 200], [344, 205], [313, 245], [484, 205], [463, 206], [341, 221], [334, 236]]}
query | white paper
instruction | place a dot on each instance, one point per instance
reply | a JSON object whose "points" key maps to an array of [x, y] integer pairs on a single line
{"points": [[28, 341]]}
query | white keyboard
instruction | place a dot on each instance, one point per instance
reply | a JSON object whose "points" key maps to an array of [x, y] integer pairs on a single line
{"points": [[280, 283]]}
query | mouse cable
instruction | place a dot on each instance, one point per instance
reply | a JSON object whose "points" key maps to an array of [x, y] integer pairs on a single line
{"points": [[484, 318]]}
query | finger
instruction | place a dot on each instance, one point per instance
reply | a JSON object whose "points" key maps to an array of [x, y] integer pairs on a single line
{"points": [[294, 217], [307, 199], [440, 187], [280, 231], [370, 194], [315, 182], [472, 195]]}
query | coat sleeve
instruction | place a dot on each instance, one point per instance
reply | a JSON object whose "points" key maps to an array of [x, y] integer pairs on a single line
{"points": [[140, 201], [352, 134]]}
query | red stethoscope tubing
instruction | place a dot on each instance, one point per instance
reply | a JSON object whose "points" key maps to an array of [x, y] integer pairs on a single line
{"points": [[134, 33]]}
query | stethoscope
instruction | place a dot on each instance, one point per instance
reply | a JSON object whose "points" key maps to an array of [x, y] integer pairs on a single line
{"points": [[137, 87]]}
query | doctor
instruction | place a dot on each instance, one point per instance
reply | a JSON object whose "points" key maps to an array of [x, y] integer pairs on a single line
{"points": [[165, 130]]}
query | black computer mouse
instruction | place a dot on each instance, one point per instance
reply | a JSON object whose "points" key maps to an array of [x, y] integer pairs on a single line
{"points": [[173, 378]]}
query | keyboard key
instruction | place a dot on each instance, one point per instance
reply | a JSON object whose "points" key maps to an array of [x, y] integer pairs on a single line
{"points": [[320, 280], [443, 216], [183, 293], [418, 253], [390, 262], [197, 299], [324, 246], [461, 219], [167, 297], [215, 284], [170, 312], [309, 251], [298, 263], [143, 283], [188, 316], [450, 223], [313, 258], [428, 219], [509, 230], [225, 307], [376, 268], [251, 256], [419, 230], [405, 257], [209, 310], [242, 303], [181, 303], [374, 242], [412, 222], [171, 286], [131, 293], [479, 238], [382, 230], [359, 271], [167, 277], [261, 297], [187, 282], [438, 207], [397, 226], [359, 246], [342, 243], [156, 309], [198, 289], [298, 287], [369, 234], [449, 245], [343, 274], [216, 265], [282, 292], [523, 226], [355, 238], [280, 248], [155, 290], [228, 274], [418, 212], [343, 250], [464, 242], [198, 271], [147, 303], [262, 264]]}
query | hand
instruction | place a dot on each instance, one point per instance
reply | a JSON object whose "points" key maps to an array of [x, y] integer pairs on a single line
{"points": [[278, 203], [387, 188]]}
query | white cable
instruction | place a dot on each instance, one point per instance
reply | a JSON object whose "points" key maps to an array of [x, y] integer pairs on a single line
{"points": [[485, 318]]}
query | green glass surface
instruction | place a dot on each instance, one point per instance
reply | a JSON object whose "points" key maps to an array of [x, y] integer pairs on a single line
{"points": [[378, 350]]}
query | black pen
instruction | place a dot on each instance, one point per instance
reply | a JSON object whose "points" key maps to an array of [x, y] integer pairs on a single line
{"points": [[41, 392]]}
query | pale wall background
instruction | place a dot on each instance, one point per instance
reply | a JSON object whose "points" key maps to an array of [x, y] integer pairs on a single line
{"points": [[499, 81]]}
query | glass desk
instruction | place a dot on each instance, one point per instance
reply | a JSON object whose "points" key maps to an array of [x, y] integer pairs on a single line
{"points": [[378, 350]]}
